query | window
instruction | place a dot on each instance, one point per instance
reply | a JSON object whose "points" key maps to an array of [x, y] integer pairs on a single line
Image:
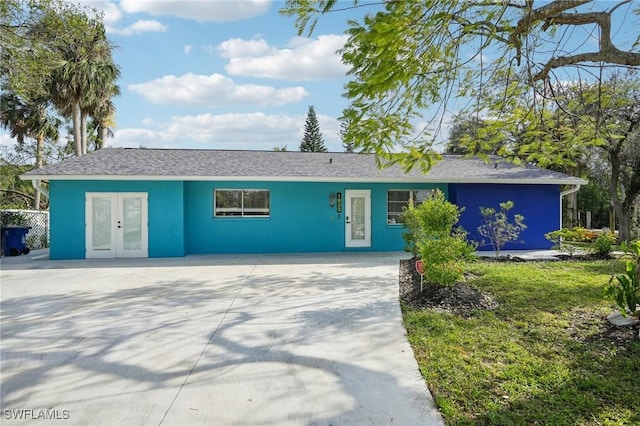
{"points": [[241, 202], [398, 200]]}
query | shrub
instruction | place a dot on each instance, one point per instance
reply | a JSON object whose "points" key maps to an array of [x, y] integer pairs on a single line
{"points": [[497, 228], [12, 219], [562, 237], [624, 289], [413, 229], [602, 245], [442, 257], [430, 236], [434, 218]]}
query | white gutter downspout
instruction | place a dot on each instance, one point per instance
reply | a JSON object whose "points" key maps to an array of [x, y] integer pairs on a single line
{"points": [[575, 188], [40, 189]]}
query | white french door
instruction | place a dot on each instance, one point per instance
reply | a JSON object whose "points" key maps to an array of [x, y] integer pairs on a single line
{"points": [[116, 224], [357, 212]]}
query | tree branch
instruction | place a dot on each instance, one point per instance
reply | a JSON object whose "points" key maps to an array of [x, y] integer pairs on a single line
{"points": [[611, 56], [537, 15]]}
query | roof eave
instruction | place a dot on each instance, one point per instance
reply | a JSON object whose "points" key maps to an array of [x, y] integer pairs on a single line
{"points": [[547, 181]]}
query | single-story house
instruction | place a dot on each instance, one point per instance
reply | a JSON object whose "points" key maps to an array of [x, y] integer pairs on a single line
{"points": [[122, 202]]}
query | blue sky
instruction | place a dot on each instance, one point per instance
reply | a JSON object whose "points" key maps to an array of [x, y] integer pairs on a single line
{"points": [[234, 74], [222, 74]]}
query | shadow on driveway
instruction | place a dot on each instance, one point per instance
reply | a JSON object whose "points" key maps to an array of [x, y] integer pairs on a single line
{"points": [[212, 341]]}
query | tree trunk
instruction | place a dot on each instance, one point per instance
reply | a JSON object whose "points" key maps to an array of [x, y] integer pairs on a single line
{"points": [[623, 208], [102, 135], [624, 221], [39, 162], [77, 141], [626, 216], [613, 186], [36, 200], [83, 130]]}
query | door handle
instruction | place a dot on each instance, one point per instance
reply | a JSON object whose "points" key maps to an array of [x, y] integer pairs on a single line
{"points": [[347, 219]]}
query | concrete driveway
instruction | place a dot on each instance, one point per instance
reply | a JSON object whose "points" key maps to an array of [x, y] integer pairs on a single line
{"points": [[224, 340]]}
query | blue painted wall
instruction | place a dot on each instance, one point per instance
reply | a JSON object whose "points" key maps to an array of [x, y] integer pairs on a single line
{"points": [[301, 219], [539, 204], [67, 210], [181, 217]]}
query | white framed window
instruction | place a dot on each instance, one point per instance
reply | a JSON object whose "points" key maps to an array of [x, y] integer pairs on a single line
{"points": [[241, 203], [399, 199]]}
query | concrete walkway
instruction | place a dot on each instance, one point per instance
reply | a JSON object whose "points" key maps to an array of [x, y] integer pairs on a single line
{"points": [[224, 340]]}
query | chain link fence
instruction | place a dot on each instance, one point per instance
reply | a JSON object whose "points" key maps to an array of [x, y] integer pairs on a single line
{"points": [[38, 220]]}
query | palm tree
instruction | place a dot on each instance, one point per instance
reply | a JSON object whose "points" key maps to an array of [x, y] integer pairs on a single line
{"points": [[84, 81], [99, 128], [102, 113], [29, 119]]}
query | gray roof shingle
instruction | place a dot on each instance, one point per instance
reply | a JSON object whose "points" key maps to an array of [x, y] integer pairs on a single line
{"points": [[198, 164]]}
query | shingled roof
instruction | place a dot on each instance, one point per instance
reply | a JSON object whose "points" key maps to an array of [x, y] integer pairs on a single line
{"points": [[199, 164]]}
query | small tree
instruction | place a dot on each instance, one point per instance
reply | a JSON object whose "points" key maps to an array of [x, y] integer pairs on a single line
{"points": [[497, 227], [312, 141], [431, 236]]}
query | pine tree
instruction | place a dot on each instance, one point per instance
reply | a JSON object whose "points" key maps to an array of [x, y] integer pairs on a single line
{"points": [[312, 141], [348, 146]]}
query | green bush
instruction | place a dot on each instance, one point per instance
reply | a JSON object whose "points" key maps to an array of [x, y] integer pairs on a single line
{"points": [[602, 245], [434, 218], [430, 235], [624, 289], [442, 257]]}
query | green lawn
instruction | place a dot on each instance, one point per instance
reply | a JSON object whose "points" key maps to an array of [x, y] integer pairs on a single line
{"points": [[541, 357]]}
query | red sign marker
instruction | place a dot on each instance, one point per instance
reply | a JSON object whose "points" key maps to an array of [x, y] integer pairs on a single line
{"points": [[419, 267]]}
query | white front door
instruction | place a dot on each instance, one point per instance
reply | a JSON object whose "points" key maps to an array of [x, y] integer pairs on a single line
{"points": [[357, 212], [116, 224]]}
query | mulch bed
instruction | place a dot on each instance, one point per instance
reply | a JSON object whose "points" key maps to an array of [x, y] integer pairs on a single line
{"points": [[461, 298]]}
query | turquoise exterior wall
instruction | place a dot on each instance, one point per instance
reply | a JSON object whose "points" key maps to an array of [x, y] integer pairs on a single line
{"points": [[301, 219], [67, 215], [181, 218]]}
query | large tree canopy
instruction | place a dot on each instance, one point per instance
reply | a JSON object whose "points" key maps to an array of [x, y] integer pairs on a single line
{"points": [[409, 61], [58, 51]]}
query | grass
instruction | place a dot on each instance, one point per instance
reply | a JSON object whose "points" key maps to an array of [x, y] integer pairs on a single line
{"points": [[539, 358]]}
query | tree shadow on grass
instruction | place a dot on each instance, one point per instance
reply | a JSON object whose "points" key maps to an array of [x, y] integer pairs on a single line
{"points": [[595, 381], [601, 388]]}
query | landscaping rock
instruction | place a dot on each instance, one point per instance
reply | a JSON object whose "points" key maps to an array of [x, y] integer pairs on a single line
{"points": [[619, 320]]}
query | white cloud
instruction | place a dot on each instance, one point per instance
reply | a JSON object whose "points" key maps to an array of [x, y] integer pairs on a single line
{"points": [[112, 13], [201, 11], [227, 131], [237, 47], [188, 49], [303, 59], [139, 27], [212, 11], [213, 90]]}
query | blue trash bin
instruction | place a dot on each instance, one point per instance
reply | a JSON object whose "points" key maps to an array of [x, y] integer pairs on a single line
{"points": [[14, 240]]}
